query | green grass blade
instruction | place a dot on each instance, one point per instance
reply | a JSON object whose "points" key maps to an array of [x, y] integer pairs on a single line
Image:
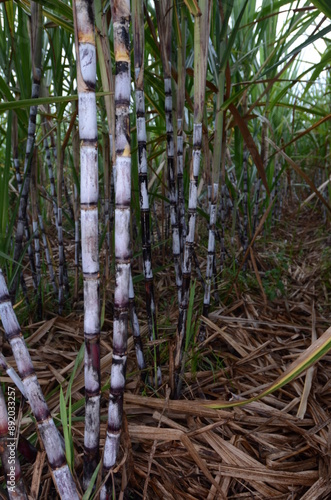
{"points": [[78, 362], [67, 436], [87, 494]]}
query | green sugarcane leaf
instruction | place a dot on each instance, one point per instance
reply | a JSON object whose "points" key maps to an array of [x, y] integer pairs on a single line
{"points": [[4, 89], [311, 39], [58, 20], [323, 5], [26, 103], [9, 8], [305, 360], [232, 37], [58, 7], [79, 360]]}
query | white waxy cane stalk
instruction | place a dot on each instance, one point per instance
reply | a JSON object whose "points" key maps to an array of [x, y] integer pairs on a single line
{"points": [[89, 193], [164, 10], [47, 429], [122, 181]]}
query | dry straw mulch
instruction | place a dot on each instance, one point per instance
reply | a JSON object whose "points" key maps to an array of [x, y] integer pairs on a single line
{"points": [[276, 448]]}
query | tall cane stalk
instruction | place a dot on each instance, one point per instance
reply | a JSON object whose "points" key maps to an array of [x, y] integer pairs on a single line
{"points": [[164, 13], [121, 24], [37, 34], [201, 36], [89, 193], [217, 160], [181, 69], [139, 43], [47, 429]]}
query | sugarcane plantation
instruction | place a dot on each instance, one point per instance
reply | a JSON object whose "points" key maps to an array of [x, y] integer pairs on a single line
{"points": [[165, 249]]}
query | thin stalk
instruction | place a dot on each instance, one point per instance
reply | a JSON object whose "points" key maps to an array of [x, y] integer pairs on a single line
{"points": [[37, 34], [121, 25], [89, 194], [164, 12], [59, 159], [181, 69], [139, 44], [34, 211], [201, 37], [68, 199], [47, 429], [19, 187], [256, 203], [136, 332], [156, 223], [75, 154], [245, 204], [50, 175], [222, 206], [221, 23], [106, 172], [47, 253], [105, 65], [27, 235]]}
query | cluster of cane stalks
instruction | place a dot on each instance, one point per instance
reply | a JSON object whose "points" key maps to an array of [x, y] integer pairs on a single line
{"points": [[205, 134]]}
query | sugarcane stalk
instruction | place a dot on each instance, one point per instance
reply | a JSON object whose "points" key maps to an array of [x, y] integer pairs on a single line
{"points": [[139, 44], [121, 25], [156, 223], [75, 154], [136, 332], [30, 254], [89, 193], [51, 176], [163, 10], [35, 229], [68, 199], [19, 187], [201, 37], [59, 160], [222, 206], [47, 253], [47, 429], [256, 203], [106, 173], [245, 204], [216, 165], [37, 34], [181, 69], [105, 64]]}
